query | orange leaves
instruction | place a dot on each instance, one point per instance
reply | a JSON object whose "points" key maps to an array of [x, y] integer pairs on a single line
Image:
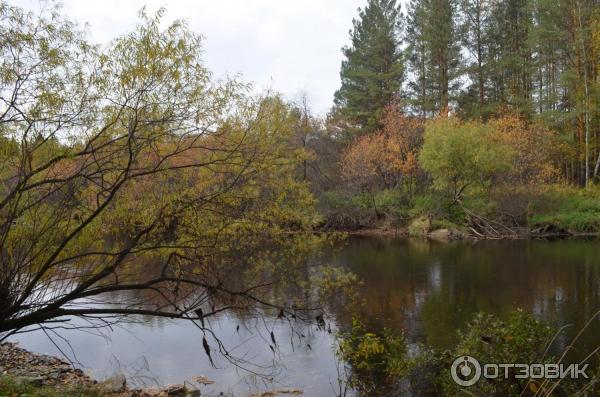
{"points": [[386, 158], [520, 152], [362, 163]]}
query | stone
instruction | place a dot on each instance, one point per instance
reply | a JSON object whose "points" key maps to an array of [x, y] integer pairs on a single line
{"points": [[175, 390], [203, 380], [114, 384], [33, 380], [445, 235], [148, 393], [42, 370]]}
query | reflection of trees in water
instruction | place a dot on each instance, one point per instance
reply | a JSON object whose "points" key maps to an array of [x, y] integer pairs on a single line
{"points": [[430, 290]]}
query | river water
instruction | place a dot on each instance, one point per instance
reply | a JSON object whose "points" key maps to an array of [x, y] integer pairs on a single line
{"points": [[425, 289]]}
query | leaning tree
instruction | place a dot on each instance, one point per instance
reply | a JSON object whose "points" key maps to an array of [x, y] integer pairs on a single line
{"points": [[131, 184]]}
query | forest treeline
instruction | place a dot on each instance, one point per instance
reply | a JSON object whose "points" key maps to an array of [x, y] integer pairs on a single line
{"points": [[483, 113]]}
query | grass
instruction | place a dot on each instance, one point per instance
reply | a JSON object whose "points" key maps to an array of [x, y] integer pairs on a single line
{"points": [[419, 227], [567, 208], [13, 387]]}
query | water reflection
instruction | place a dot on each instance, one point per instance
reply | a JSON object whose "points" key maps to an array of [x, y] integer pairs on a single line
{"points": [[428, 290], [167, 351]]}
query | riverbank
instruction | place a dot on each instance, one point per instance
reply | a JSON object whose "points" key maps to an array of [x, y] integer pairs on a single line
{"points": [[455, 234], [553, 211], [25, 373]]}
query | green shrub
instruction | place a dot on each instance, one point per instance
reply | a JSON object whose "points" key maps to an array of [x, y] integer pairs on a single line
{"points": [[522, 339], [350, 211], [426, 205], [377, 360], [380, 361], [393, 202], [335, 200]]}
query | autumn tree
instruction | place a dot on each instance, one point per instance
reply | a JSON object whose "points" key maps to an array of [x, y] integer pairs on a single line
{"points": [[463, 156], [404, 141], [538, 150], [127, 171], [387, 158]]}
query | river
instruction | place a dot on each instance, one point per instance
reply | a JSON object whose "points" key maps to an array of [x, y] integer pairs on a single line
{"points": [[425, 289]]}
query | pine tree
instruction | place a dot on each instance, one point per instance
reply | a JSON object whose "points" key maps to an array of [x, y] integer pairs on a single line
{"points": [[547, 42], [563, 68], [373, 70], [434, 57], [475, 19], [420, 86], [511, 55]]}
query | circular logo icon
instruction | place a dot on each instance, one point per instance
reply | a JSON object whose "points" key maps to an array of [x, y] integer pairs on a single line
{"points": [[465, 371]]}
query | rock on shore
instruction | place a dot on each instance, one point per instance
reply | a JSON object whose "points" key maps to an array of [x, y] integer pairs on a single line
{"points": [[44, 370], [39, 369]]}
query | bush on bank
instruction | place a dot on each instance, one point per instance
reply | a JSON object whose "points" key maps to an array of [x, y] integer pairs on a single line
{"points": [[380, 364], [542, 211]]}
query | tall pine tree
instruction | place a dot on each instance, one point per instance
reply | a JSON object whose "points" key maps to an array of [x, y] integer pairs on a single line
{"points": [[373, 70], [434, 51], [475, 20], [512, 20]]}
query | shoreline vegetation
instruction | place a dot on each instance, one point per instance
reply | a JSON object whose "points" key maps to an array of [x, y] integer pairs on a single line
{"points": [[577, 216], [382, 362], [445, 231]]}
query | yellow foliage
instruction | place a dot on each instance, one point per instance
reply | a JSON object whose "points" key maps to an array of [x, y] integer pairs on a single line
{"points": [[537, 148]]}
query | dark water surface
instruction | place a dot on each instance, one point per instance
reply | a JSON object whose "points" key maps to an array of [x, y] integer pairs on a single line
{"points": [[428, 290]]}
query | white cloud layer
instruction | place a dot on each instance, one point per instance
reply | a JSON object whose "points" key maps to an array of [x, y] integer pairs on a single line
{"points": [[290, 46]]}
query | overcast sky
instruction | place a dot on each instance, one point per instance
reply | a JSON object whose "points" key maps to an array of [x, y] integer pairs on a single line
{"points": [[290, 46]]}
